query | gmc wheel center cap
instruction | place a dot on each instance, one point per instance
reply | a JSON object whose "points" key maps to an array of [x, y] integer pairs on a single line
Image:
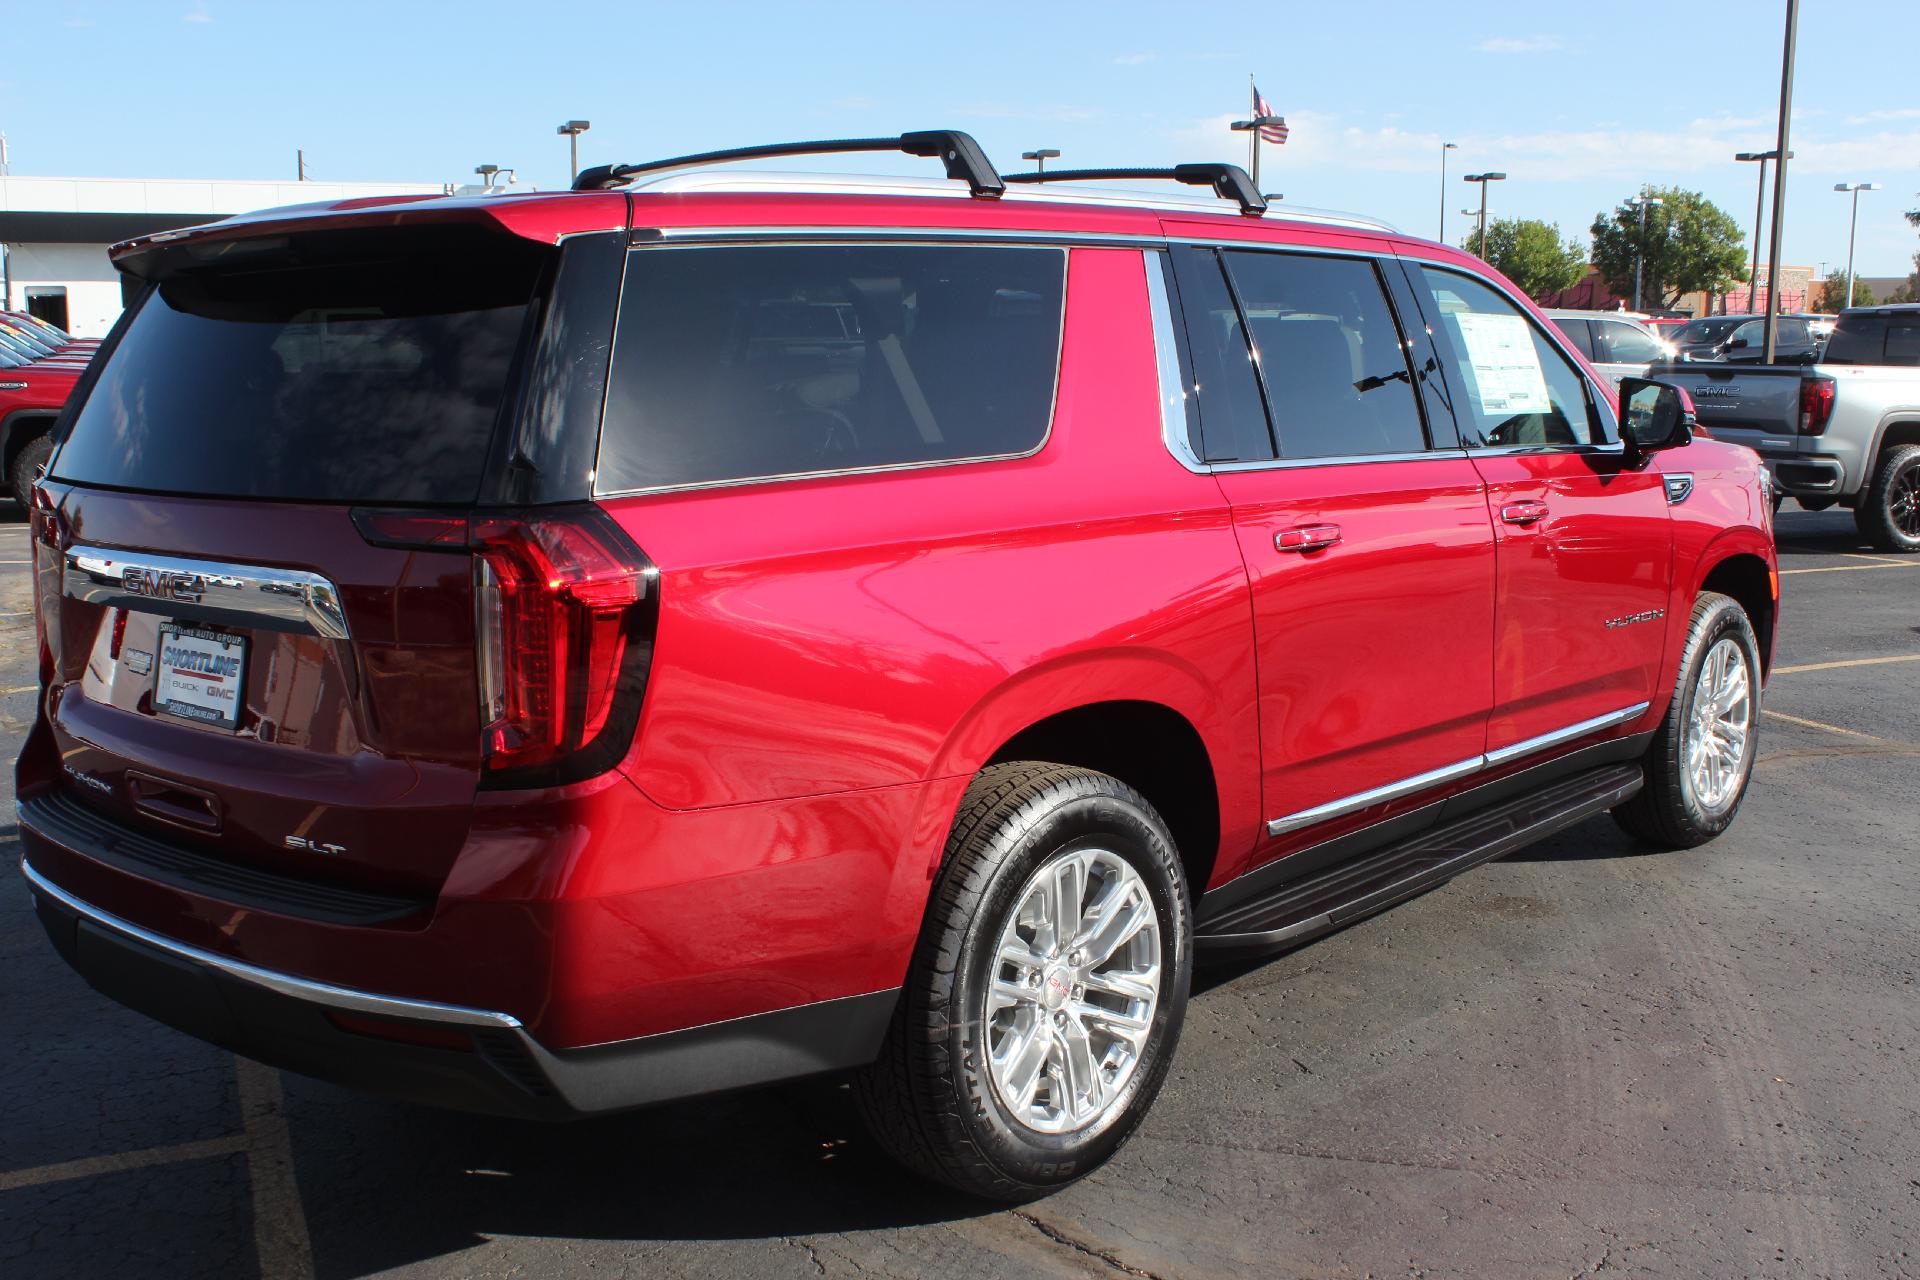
{"points": [[1056, 987]]}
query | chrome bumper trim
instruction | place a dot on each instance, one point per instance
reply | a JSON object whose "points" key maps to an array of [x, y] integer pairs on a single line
{"points": [[320, 993], [238, 594]]}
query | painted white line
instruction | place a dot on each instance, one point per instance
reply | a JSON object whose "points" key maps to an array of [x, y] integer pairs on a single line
{"points": [[120, 1162], [1860, 555], [25, 688], [279, 1222], [1787, 573], [1815, 724], [1835, 666]]}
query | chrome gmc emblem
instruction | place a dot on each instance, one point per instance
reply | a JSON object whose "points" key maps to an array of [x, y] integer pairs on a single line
{"points": [[162, 584]]}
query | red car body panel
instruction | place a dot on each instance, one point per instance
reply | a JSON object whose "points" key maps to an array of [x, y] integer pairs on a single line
{"points": [[836, 658]]}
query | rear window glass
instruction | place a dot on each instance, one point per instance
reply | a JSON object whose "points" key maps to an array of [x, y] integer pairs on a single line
{"points": [[1887, 338], [370, 380], [751, 362]]}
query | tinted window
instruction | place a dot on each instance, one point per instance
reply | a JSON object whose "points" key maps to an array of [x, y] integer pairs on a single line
{"points": [[1700, 332], [363, 381], [757, 361], [1578, 335], [1620, 343], [1330, 355], [1514, 388], [1887, 337], [1233, 418]]}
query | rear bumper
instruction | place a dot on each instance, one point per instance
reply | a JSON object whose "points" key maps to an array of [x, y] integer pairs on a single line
{"points": [[1812, 475], [442, 1054]]}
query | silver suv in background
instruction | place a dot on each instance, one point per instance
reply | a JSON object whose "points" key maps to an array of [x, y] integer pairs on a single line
{"points": [[1618, 346]]}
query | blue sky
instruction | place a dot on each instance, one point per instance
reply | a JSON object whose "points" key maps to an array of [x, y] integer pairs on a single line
{"points": [[1579, 104]]}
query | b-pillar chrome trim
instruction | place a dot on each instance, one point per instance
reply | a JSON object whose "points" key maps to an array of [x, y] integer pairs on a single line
{"points": [[210, 590], [1452, 772]]}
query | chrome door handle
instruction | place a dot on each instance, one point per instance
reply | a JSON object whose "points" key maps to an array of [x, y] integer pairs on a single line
{"points": [[1523, 512], [1308, 537]]}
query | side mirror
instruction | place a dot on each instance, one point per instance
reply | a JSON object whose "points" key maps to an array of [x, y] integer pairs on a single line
{"points": [[1733, 343], [1653, 416]]}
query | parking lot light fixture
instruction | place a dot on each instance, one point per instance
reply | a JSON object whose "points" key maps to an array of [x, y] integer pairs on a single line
{"points": [[487, 174], [572, 130], [1480, 238], [1853, 224], [1641, 202], [1040, 157], [1759, 204], [1252, 129]]}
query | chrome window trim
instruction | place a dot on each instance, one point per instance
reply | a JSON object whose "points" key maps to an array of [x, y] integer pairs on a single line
{"points": [[785, 477], [1452, 772], [1166, 356], [275, 599], [286, 984], [1341, 460], [844, 234]]}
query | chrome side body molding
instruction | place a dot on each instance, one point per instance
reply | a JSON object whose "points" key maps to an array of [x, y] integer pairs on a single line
{"points": [[210, 590], [1452, 772]]}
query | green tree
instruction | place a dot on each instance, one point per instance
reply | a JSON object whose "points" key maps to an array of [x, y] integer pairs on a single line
{"points": [[1530, 253], [1910, 291], [1691, 244], [1833, 293]]}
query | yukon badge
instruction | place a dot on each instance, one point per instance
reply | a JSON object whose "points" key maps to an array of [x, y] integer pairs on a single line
{"points": [[1627, 620]]}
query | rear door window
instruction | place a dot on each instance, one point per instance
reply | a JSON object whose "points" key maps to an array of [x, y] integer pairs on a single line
{"points": [[377, 379], [1233, 417], [1578, 334], [1512, 387], [1330, 355], [1620, 343], [753, 362]]}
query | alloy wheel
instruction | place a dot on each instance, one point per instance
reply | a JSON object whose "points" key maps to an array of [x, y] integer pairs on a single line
{"points": [[1720, 728]]}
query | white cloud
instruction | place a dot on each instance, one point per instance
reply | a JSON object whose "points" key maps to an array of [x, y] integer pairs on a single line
{"points": [[1522, 44], [197, 14], [1880, 117], [1134, 59]]}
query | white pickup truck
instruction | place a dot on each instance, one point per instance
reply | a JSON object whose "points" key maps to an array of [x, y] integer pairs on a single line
{"points": [[1844, 430]]}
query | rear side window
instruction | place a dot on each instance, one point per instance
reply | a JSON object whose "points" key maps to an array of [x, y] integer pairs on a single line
{"points": [[1578, 335], [1330, 355], [1520, 391], [752, 362], [377, 379]]}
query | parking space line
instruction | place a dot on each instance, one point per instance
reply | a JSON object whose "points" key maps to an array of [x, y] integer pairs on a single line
{"points": [[1815, 724], [1861, 555], [23, 688], [120, 1162], [279, 1221], [1830, 568], [1829, 666]]}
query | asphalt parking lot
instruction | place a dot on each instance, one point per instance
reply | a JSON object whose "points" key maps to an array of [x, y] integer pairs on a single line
{"points": [[1586, 1059]]}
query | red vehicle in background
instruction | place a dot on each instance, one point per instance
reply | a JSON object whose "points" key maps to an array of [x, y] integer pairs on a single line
{"points": [[32, 394], [934, 614]]}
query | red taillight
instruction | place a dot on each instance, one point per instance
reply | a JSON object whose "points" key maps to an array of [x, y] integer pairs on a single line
{"points": [[565, 616], [1816, 405]]}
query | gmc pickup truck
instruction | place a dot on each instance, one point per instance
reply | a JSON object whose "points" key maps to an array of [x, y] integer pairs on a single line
{"points": [[1845, 429]]}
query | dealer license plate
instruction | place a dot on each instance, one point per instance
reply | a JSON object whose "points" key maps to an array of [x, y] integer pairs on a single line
{"points": [[199, 675]]}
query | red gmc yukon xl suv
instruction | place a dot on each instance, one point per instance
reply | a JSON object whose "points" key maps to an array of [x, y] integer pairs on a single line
{"points": [[556, 653]]}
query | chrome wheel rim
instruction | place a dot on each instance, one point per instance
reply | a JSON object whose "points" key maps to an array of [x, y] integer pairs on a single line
{"points": [[1720, 727], [1071, 997], [1903, 502]]}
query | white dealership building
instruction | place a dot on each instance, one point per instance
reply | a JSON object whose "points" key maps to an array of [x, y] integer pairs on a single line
{"points": [[54, 232]]}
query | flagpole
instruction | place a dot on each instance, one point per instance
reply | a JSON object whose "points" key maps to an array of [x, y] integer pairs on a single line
{"points": [[1253, 134]]}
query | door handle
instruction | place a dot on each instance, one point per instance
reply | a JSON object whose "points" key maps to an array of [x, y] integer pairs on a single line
{"points": [[1523, 512], [1308, 537]]}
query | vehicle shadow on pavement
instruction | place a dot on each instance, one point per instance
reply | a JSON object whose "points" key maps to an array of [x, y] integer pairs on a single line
{"points": [[385, 1185]]}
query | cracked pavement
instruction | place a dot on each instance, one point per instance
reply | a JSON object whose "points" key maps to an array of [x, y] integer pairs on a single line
{"points": [[1583, 1060]]}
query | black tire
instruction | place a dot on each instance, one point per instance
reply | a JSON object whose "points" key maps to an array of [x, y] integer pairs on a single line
{"points": [[930, 1100], [27, 465], [1666, 812], [1889, 512]]}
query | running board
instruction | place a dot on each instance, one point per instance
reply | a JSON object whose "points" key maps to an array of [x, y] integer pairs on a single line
{"points": [[1293, 912]]}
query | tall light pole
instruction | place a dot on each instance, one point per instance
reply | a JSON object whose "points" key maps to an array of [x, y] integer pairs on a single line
{"points": [[1040, 157], [1444, 148], [1253, 128], [1853, 224], [1781, 156], [1483, 179], [572, 130], [1641, 202], [1759, 204]]}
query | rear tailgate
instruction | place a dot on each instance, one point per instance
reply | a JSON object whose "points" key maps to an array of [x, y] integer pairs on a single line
{"points": [[1757, 406], [238, 673]]}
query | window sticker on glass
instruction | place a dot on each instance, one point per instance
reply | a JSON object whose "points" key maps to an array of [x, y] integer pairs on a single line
{"points": [[1506, 368]]}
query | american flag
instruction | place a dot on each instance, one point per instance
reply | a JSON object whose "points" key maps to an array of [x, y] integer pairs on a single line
{"points": [[1275, 133]]}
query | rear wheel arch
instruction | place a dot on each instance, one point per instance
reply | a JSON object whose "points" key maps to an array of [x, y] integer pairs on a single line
{"points": [[18, 429], [1893, 434]]}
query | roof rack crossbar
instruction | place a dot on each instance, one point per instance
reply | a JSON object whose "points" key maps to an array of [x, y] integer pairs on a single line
{"points": [[1229, 181], [957, 152]]}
